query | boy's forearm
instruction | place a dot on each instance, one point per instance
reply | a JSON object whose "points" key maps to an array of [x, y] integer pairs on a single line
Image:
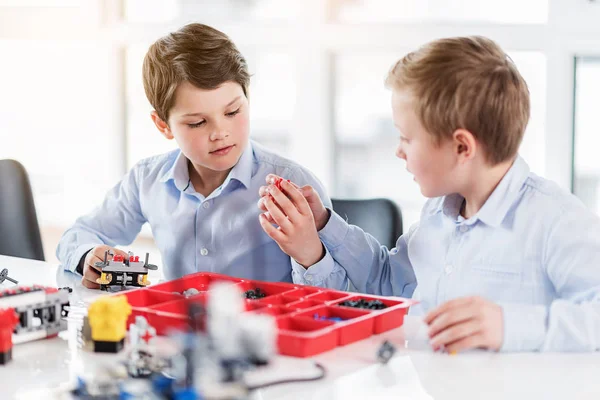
{"points": [[370, 267], [73, 246], [525, 327], [117, 221]]}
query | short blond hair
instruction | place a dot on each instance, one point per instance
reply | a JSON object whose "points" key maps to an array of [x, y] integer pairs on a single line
{"points": [[196, 53], [467, 83]]}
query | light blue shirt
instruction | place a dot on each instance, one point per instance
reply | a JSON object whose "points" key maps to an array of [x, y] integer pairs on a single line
{"points": [[533, 248], [218, 233]]}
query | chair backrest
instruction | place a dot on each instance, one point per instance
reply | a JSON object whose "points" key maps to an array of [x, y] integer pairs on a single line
{"points": [[19, 229], [381, 218]]}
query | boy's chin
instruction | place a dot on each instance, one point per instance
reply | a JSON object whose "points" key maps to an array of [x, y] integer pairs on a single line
{"points": [[430, 193], [224, 163]]}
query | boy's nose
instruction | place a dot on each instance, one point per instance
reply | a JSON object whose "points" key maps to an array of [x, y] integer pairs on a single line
{"points": [[218, 134], [400, 153]]}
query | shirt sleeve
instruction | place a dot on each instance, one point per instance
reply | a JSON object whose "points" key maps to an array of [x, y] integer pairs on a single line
{"points": [[572, 263], [369, 266], [116, 222], [353, 256], [325, 273]]}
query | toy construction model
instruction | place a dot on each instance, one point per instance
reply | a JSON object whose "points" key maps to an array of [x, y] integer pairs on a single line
{"points": [[121, 271], [239, 340], [210, 363], [190, 364], [140, 362], [40, 311], [108, 320]]}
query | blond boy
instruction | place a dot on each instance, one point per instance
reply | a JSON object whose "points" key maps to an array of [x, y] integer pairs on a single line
{"points": [[504, 259]]}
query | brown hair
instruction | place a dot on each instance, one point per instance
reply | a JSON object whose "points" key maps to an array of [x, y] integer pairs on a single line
{"points": [[196, 53], [467, 83]]}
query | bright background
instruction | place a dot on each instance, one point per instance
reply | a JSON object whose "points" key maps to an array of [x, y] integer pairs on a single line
{"points": [[73, 110]]}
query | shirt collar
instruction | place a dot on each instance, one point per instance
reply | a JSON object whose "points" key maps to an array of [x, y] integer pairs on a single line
{"points": [[242, 170], [178, 172], [500, 201]]}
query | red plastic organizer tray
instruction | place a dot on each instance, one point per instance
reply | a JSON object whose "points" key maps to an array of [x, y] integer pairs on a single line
{"points": [[298, 311]]}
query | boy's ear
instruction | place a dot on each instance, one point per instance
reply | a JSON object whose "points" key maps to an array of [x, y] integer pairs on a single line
{"points": [[162, 126], [465, 145]]}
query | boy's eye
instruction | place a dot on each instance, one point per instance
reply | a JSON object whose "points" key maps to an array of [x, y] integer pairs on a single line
{"points": [[233, 113], [197, 124]]}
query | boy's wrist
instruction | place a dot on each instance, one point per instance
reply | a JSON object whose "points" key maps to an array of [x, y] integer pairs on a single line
{"points": [[81, 264], [322, 219], [312, 260]]}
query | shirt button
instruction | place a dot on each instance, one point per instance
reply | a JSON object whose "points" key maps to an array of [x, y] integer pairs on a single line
{"points": [[206, 204], [204, 251], [464, 228], [309, 278], [448, 269]]}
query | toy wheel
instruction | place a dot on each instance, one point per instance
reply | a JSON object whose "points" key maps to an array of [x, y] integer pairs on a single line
{"points": [[142, 280], [108, 279]]}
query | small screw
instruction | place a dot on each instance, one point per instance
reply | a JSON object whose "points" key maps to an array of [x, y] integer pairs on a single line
{"points": [[4, 275]]}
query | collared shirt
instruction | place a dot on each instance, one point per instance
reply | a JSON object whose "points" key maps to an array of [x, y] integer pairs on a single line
{"points": [[533, 248], [218, 233]]}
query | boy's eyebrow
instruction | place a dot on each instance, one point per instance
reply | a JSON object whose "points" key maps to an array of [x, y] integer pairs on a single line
{"points": [[199, 113]]}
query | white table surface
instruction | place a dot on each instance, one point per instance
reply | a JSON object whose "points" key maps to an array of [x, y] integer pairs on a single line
{"points": [[415, 372]]}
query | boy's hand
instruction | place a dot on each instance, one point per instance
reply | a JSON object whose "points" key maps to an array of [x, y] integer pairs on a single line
{"points": [[90, 272], [296, 233], [466, 323], [320, 213]]}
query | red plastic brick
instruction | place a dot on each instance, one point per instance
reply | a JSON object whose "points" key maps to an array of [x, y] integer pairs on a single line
{"points": [[8, 320], [278, 183]]}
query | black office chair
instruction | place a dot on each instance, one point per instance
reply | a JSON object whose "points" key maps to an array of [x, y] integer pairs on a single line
{"points": [[381, 218], [19, 229]]}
